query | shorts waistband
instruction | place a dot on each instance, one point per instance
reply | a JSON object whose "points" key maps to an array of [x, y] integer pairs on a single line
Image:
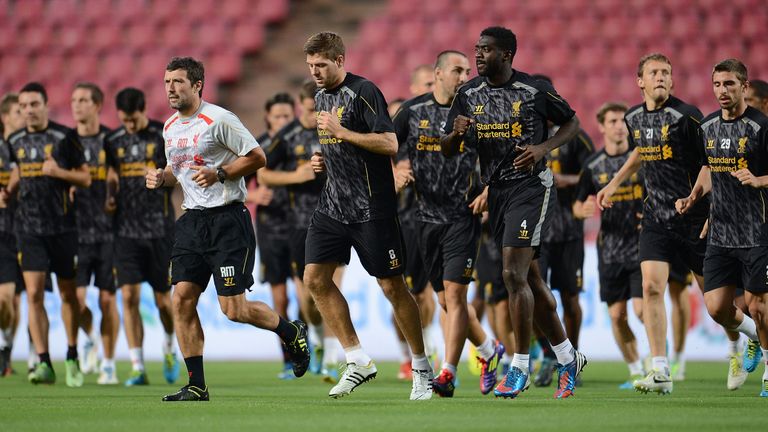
{"points": [[219, 209]]}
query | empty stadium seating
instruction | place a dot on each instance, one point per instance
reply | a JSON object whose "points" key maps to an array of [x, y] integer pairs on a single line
{"points": [[117, 43], [590, 48]]}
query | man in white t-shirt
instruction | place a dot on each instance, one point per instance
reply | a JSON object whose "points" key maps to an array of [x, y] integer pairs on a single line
{"points": [[209, 151]]}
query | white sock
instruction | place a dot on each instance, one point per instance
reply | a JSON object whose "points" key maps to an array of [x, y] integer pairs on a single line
{"points": [[137, 358], [420, 363], [429, 341], [32, 358], [661, 364], [92, 337], [315, 335], [8, 335], [733, 346], [356, 355], [405, 351], [748, 327], [636, 368], [168, 344], [329, 351], [520, 361], [765, 358], [450, 368], [3, 343], [563, 352], [108, 363], [486, 349]]}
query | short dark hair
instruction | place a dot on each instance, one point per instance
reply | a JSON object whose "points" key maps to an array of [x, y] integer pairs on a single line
{"points": [[443, 56], [609, 107], [129, 100], [759, 88], [97, 96], [542, 77], [732, 65], [651, 57], [35, 87], [194, 68], [328, 44], [279, 98], [8, 100], [505, 39], [308, 89]]}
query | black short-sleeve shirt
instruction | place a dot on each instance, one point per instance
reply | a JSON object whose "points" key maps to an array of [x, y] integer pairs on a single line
{"points": [[291, 148], [272, 218], [444, 186], [513, 114], [44, 206], [737, 216], [94, 225], [360, 185], [141, 213]]}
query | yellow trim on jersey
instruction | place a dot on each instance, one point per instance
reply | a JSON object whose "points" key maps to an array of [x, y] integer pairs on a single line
{"points": [[368, 180]]}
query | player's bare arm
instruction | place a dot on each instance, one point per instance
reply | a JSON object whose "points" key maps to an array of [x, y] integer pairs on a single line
{"points": [[449, 144], [80, 176], [381, 143], [631, 166]]}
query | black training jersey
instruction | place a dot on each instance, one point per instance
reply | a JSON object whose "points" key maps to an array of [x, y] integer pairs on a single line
{"points": [[737, 213], [569, 160], [293, 147], [94, 225], [619, 225], [44, 206], [668, 142], [360, 185], [514, 114], [141, 213], [273, 217], [444, 186], [6, 167]]}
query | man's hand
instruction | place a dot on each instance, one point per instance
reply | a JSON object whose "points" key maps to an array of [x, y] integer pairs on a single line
{"points": [[261, 196], [603, 199], [529, 156], [154, 179], [4, 197], [306, 172], [704, 230], [746, 178], [588, 207], [204, 176], [480, 203], [682, 205], [50, 167], [318, 163], [110, 205], [329, 122], [403, 177], [461, 124], [72, 190]]}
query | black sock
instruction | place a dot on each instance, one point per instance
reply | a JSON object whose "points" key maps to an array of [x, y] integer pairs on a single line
{"points": [[546, 348], [72, 352], [286, 330], [195, 369], [46, 358]]}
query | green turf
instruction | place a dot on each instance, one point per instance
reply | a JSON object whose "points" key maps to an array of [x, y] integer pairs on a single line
{"points": [[248, 396]]}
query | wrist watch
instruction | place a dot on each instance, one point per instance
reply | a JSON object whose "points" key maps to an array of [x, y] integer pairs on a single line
{"points": [[221, 174]]}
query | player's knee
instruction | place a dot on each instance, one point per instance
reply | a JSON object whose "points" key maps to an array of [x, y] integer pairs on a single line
{"points": [[514, 279], [618, 314], [757, 308], [652, 289]]}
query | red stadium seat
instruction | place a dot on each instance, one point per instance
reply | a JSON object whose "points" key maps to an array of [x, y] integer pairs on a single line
{"points": [[235, 9], [408, 31], [272, 11], [403, 8], [375, 32], [71, 38], [81, 67], [49, 66], [35, 38], [141, 35], [128, 11], [104, 37], [226, 65], [62, 11], [211, 35], [152, 63], [28, 11], [437, 8], [754, 25], [248, 36], [164, 10], [96, 11], [117, 66]]}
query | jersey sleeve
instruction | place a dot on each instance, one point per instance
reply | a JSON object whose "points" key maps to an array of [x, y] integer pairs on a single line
{"points": [[585, 148], [231, 133], [71, 151], [372, 108], [586, 186], [161, 160], [458, 107], [401, 123], [276, 153], [553, 106]]}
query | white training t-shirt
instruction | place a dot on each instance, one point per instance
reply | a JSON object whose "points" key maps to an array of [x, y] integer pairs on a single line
{"points": [[211, 137]]}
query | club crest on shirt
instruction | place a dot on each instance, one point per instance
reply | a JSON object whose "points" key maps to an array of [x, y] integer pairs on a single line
{"points": [[516, 108], [742, 145], [339, 112], [665, 133]]}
